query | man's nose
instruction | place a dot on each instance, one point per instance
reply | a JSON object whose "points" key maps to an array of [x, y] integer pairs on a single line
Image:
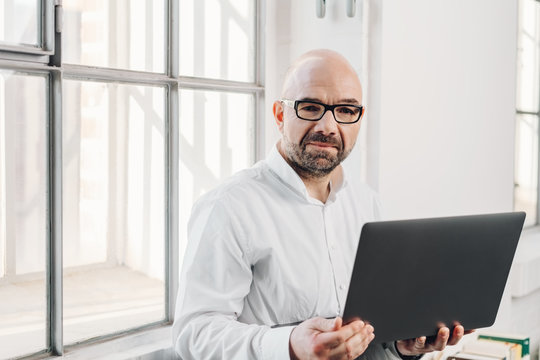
{"points": [[327, 124]]}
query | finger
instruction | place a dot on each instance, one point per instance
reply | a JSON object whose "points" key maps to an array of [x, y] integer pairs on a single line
{"points": [[407, 347], [419, 345], [335, 338], [357, 344], [442, 339], [338, 324], [353, 347], [412, 346], [457, 334], [467, 332]]}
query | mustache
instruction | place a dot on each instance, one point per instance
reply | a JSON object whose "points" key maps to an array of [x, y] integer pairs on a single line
{"points": [[318, 137]]}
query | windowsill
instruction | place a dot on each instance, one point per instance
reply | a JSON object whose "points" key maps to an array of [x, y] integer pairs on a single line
{"points": [[146, 345], [524, 276], [98, 300]]}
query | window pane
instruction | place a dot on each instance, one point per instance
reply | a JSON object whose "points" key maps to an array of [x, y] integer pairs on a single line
{"points": [[19, 22], [114, 208], [217, 39], [528, 59], [216, 140], [526, 171], [122, 34], [23, 203]]}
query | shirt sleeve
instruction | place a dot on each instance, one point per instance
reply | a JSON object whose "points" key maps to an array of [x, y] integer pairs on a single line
{"points": [[215, 279], [384, 351]]}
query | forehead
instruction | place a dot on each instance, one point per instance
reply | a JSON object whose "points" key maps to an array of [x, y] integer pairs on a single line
{"points": [[324, 80]]}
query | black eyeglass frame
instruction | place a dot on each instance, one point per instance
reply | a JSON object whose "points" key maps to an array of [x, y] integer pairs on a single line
{"points": [[294, 104]]}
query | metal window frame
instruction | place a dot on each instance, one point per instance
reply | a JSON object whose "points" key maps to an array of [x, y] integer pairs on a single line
{"points": [[537, 114], [47, 61]]}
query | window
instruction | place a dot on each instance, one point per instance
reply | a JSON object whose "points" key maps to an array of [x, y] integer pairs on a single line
{"points": [[110, 128], [527, 115]]}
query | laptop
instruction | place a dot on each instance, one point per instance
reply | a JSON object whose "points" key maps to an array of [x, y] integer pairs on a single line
{"points": [[410, 277]]}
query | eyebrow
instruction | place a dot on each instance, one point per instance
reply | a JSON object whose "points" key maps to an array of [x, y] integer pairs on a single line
{"points": [[342, 101]]}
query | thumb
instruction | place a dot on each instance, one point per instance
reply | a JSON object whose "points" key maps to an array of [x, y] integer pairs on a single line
{"points": [[324, 325]]}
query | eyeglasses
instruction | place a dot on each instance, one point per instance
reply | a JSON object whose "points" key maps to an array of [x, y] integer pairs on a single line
{"points": [[314, 111]]}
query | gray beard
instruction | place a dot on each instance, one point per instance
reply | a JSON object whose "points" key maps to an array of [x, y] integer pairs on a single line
{"points": [[313, 163]]}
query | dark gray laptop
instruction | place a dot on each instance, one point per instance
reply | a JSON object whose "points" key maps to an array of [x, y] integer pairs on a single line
{"points": [[411, 276]]}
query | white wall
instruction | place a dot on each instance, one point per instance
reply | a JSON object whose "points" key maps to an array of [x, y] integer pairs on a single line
{"points": [[447, 78]]}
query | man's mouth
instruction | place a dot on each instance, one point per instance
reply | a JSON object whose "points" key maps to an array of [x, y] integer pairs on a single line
{"points": [[323, 145]]}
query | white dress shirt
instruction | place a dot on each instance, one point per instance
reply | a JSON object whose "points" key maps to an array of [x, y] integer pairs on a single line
{"points": [[262, 254]]}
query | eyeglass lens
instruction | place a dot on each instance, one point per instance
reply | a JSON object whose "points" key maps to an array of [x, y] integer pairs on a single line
{"points": [[313, 111]]}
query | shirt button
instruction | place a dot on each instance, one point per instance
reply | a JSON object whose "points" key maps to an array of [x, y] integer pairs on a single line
{"points": [[332, 246], [341, 287]]}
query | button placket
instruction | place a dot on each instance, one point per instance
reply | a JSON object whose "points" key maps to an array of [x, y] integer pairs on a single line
{"points": [[336, 257], [331, 258]]}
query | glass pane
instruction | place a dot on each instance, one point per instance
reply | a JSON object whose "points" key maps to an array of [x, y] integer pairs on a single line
{"points": [[23, 205], [528, 59], [122, 34], [114, 208], [217, 39], [526, 171], [19, 22], [216, 140]]}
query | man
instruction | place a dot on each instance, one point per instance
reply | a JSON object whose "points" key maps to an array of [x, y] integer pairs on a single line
{"points": [[274, 246]]}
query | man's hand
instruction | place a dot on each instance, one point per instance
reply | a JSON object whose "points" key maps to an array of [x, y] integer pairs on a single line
{"points": [[320, 338], [420, 346]]}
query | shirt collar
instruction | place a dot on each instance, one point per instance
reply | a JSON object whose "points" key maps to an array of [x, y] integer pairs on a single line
{"points": [[279, 166]]}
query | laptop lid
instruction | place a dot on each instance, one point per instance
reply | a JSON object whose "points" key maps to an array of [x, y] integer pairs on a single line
{"points": [[412, 276]]}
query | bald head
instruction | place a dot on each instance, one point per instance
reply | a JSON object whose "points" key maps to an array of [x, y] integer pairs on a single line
{"points": [[321, 68]]}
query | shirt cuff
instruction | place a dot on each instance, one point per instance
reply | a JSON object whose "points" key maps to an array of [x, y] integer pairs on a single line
{"points": [[275, 343], [390, 349]]}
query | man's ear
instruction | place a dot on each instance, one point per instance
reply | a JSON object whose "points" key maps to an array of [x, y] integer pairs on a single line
{"points": [[278, 114]]}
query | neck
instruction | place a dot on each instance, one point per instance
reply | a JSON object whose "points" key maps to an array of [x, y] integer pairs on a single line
{"points": [[318, 188]]}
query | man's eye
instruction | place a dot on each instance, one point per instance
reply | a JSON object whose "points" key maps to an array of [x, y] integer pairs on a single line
{"points": [[311, 108], [348, 110]]}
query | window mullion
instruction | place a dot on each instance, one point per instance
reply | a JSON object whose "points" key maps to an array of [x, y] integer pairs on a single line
{"points": [[173, 42], [173, 163], [55, 258], [537, 220], [259, 138], [172, 203], [55, 249]]}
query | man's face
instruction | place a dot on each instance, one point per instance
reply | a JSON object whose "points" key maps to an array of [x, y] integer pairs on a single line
{"points": [[315, 148]]}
